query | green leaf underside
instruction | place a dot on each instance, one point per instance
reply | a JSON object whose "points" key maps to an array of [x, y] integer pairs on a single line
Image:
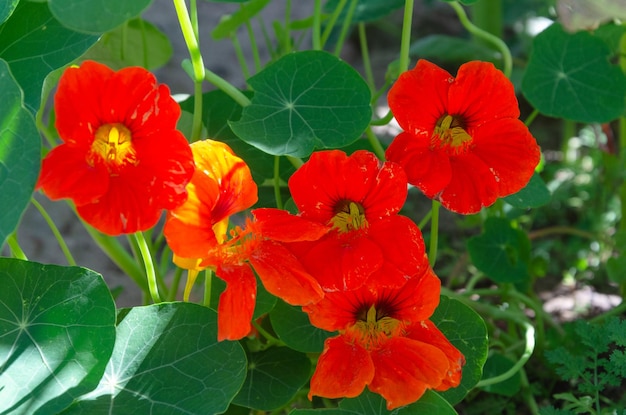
{"points": [[570, 76], [167, 360], [57, 328], [20, 149], [6, 9], [96, 16], [293, 327], [303, 101], [34, 44], [466, 330]]}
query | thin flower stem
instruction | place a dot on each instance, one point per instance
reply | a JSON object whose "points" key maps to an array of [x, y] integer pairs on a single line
{"points": [[277, 196], [287, 34], [434, 233], [193, 17], [384, 120], [191, 39], [529, 331], [367, 64], [55, 231], [173, 291], [253, 46], [425, 219], [331, 22], [144, 250], [240, 55], [531, 117], [208, 279], [270, 339], [317, 25], [375, 143], [507, 60], [406, 35], [295, 161], [227, 87], [345, 28], [14, 246]]}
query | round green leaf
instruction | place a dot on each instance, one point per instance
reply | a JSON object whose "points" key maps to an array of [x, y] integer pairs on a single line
{"points": [[466, 330], [293, 327], [96, 16], [501, 252], [57, 330], [135, 43], [20, 152], [274, 377], [570, 76], [167, 360], [534, 194], [303, 101], [33, 43]]}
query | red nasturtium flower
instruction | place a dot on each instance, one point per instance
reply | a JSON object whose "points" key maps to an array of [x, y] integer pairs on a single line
{"points": [[358, 198], [385, 342], [197, 234], [462, 143], [122, 161]]}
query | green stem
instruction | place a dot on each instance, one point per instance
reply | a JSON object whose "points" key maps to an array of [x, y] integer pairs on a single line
{"points": [[406, 35], [317, 25], [384, 120], [240, 55], [487, 14], [208, 279], [507, 60], [425, 219], [277, 196], [345, 27], [228, 88], [287, 39], [434, 233], [146, 256], [175, 284], [295, 161], [55, 231], [367, 63], [375, 143], [14, 246], [330, 25], [531, 117], [254, 47], [268, 336]]}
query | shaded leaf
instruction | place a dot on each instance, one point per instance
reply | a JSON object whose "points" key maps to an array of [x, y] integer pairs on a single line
{"points": [[496, 365], [57, 330], [96, 16], [366, 10], [294, 328], [570, 76], [230, 23], [167, 360], [534, 194], [445, 48], [20, 152], [303, 101]]}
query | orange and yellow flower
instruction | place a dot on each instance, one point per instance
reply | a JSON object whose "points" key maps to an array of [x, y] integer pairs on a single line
{"points": [[385, 342], [122, 161], [462, 143]]}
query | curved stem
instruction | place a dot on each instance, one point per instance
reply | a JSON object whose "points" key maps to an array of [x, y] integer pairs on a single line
{"points": [[331, 22], [55, 232], [14, 246], [295, 161], [375, 143], [434, 234], [507, 60], [384, 120], [227, 87], [406, 35], [146, 256], [531, 117], [277, 196]]}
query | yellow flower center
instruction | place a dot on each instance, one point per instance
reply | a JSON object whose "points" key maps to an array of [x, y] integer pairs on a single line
{"points": [[113, 144], [373, 327], [349, 216], [450, 134]]}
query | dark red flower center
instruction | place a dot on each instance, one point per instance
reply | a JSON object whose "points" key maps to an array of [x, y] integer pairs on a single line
{"points": [[450, 134], [113, 145], [373, 326], [349, 216]]}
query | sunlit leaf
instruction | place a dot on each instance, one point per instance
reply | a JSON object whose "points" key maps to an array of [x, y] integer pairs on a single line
{"points": [[274, 377], [501, 252], [571, 76], [135, 43], [293, 327], [303, 101], [20, 152], [533, 195], [34, 44], [96, 16], [466, 330], [6, 9], [167, 360], [57, 330]]}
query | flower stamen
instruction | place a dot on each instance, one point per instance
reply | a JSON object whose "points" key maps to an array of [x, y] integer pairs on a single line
{"points": [[350, 216], [113, 144], [450, 133]]}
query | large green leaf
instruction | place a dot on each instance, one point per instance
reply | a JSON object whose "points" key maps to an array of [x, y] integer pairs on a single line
{"points": [[534, 194], [96, 16], [466, 330], [167, 360], [366, 10], [571, 76], [501, 251], [6, 9], [34, 44], [57, 330], [294, 328], [274, 377], [303, 101], [134, 43], [20, 150]]}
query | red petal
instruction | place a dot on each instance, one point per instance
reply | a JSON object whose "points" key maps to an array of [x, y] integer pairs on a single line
{"points": [[343, 370], [481, 93], [405, 368], [508, 148], [339, 310], [283, 275], [66, 174], [282, 226], [420, 97], [237, 302], [428, 170]]}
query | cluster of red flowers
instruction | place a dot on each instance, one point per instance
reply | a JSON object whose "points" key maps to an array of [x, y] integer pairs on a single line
{"points": [[354, 264]]}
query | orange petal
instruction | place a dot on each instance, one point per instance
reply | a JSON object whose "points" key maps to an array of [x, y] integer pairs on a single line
{"points": [[237, 302], [282, 226]]}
